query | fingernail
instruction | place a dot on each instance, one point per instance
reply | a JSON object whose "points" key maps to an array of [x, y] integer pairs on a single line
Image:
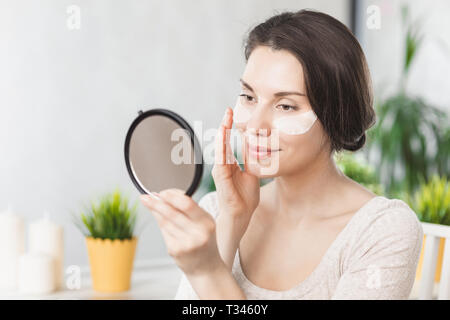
{"points": [[145, 198], [155, 195]]}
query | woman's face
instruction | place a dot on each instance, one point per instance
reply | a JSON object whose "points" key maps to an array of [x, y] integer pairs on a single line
{"points": [[273, 112]]}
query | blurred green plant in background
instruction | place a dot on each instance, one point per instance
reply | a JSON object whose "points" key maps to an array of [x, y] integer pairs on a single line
{"points": [[411, 138], [413, 40], [431, 201], [111, 218]]}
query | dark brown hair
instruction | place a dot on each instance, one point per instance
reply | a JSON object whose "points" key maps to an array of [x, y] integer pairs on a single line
{"points": [[336, 74]]}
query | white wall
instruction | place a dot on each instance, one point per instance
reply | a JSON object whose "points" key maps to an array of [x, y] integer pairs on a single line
{"points": [[68, 96], [384, 48]]}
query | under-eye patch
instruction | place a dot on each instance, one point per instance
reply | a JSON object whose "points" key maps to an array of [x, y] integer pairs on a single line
{"points": [[292, 124], [295, 124]]}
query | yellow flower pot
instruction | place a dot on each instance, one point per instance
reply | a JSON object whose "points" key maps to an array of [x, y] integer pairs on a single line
{"points": [[111, 263], [437, 274]]}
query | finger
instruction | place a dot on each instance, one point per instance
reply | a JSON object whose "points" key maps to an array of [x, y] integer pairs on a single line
{"points": [[227, 132], [173, 243], [167, 228], [231, 159], [244, 149], [168, 212], [183, 203], [219, 153], [226, 155], [175, 238]]}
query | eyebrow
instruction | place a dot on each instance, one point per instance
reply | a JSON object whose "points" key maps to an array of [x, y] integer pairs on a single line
{"points": [[278, 94]]}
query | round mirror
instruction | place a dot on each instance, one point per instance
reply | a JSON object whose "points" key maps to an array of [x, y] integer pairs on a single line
{"points": [[162, 152]]}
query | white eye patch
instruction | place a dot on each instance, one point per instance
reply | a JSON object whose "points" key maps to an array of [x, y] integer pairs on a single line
{"points": [[289, 124], [298, 124]]}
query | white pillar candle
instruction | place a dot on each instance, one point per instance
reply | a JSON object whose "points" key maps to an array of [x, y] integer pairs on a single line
{"points": [[12, 245], [36, 273], [47, 237]]}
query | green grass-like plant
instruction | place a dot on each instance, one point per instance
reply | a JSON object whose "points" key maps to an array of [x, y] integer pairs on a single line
{"points": [[110, 218], [431, 201]]}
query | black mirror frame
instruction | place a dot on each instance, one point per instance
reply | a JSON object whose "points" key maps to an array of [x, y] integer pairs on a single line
{"points": [[194, 141]]}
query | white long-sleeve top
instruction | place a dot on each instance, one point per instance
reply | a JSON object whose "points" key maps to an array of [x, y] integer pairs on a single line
{"points": [[374, 257]]}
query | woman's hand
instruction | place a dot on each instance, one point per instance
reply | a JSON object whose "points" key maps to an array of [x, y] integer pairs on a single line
{"points": [[190, 236], [237, 190], [188, 230]]}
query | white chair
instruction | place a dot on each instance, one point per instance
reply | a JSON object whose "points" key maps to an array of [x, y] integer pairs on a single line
{"points": [[433, 234]]}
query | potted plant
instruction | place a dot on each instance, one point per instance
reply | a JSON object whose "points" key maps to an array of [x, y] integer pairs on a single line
{"points": [[432, 204], [108, 229]]}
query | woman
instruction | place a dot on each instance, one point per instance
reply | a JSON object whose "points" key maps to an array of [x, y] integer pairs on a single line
{"points": [[311, 233]]}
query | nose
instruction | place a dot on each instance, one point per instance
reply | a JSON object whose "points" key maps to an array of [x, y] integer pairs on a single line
{"points": [[259, 123]]}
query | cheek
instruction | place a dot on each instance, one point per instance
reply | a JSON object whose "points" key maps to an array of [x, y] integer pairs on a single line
{"points": [[297, 144], [301, 149]]}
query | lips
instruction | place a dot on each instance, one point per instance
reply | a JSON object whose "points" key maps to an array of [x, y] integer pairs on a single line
{"points": [[259, 149], [260, 152]]}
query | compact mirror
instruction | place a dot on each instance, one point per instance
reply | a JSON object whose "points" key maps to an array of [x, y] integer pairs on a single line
{"points": [[162, 152]]}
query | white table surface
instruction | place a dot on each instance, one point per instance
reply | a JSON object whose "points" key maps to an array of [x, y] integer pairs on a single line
{"points": [[153, 279]]}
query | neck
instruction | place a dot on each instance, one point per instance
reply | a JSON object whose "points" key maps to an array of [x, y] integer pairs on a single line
{"points": [[304, 193]]}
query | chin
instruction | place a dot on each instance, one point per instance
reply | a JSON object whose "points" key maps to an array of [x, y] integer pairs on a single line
{"points": [[263, 169]]}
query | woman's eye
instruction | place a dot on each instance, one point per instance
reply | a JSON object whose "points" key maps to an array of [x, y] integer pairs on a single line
{"points": [[247, 97], [286, 107]]}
